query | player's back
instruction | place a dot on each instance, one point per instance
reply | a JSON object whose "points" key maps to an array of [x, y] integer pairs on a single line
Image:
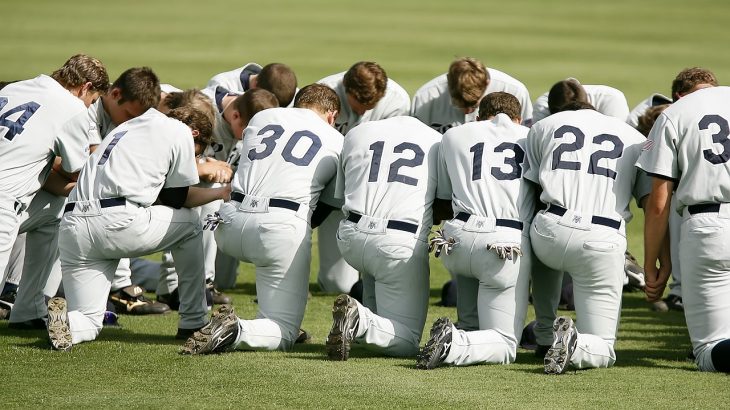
{"points": [[223, 137], [32, 115], [390, 169], [586, 162], [431, 104], [288, 153], [606, 100], [138, 159], [481, 166], [235, 80]]}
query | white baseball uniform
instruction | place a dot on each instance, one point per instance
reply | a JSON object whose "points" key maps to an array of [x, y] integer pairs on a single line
{"points": [[222, 132], [35, 126], [335, 275], [606, 100], [390, 177], [432, 102], [110, 215], [584, 162], [236, 80], [290, 161], [640, 109], [689, 144], [480, 170]]}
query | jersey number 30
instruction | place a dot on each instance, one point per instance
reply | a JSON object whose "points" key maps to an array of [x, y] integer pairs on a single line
{"points": [[16, 127], [288, 152]]}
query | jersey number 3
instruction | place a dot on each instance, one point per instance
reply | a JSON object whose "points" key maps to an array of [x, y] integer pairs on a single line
{"points": [[16, 127]]}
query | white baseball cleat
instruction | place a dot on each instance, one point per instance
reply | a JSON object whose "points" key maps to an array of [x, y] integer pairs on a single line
{"points": [[345, 320], [59, 331], [218, 336], [565, 339]]}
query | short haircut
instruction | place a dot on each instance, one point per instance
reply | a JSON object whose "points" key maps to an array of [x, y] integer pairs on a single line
{"points": [[564, 92], [280, 80], [253, 101], [467, 80], [689, 78], [196, 120], [139, 84], [366, 82], [500, 102], [81, 69], [317, 97], [575, 106], [193, 98], [648, 118]]}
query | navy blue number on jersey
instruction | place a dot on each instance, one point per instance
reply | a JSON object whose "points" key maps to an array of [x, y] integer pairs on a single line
{"points": [[515, 162], [721, 137], [16, 127], [394, 174], [113, 143], [288, 152], [593, 168]]}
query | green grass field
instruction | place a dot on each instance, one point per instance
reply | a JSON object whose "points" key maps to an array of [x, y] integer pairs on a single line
{"points": [[636, 46]]}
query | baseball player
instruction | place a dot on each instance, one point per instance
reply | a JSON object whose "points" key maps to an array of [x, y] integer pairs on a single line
{"points": [[366, 94], [687, 147], [653, 100], [37, 120], [584, 163], [452, 98], [487, 247], [112, 213], [276, 78], [389, 187], [606, 100], [289, 168]]}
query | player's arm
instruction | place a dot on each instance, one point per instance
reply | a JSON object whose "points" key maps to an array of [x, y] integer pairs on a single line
{"points": [[200, 196], [321, 212], [60, 182], [442, 210], [213, 170], [656, 238]]}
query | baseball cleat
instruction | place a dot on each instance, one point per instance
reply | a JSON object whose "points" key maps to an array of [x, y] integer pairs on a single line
{"points": [[674, 302], [303, 337], [59, 331], [438, 346], [565, 339], [218, 336], [131, 300], [345, 320], [216, 296]]}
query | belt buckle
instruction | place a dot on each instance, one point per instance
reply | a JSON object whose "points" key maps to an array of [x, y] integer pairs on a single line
{"points": [[252, 203]]}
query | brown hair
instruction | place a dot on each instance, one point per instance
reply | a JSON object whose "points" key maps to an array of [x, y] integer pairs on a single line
{"points": [[689, 78], [81, 69], [648, 118], [575, 106], [253, 101], [196, 120], [564, 92], [317, 97], [467, 80], [366, 82], [500, 102], [193, 98], [139, 84], [280, 80]]}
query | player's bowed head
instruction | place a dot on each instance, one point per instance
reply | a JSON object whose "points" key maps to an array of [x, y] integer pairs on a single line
{"points": [[321, 99], [365, 84], [84, 76], [500, 103], [467, 80]]}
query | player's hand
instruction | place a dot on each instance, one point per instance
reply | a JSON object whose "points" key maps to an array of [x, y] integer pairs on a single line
{"points": [[212, 170], [656, 281], [226, 192]]}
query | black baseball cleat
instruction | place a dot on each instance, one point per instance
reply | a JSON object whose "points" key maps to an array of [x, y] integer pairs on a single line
{"points": [[131, 301], [184, 334], [59, 331], [345, 320], [218, 336], [303, 337], [33, 324], [674, 302], [171, 299], [438, 346], [216, 296], [565, 339]]}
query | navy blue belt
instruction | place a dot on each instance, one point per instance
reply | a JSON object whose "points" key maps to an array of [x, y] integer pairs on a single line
{"points": [[703, 208], [508, 223], [598, 220], [104, 203], [275, 202], [399, 225]]}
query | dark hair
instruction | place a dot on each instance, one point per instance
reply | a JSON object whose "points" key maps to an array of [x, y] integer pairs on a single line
{"points": [[689, 78], [564, 92], [500, 102], [197, 120], [191, 97], [139, 84], [575, 106], [366, 82], [280, 80], [648, 118], [253, 101], [318, 97]]}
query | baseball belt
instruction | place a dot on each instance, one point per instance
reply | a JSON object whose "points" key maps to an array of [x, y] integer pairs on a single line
{"points": [[103, 203], [595, 219], [507, 223], [703, 208], [275, 202], [398, 225]]}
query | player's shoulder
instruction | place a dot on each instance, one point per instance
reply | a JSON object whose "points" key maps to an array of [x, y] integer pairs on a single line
{"points": [[395, 91], [504, 80], [603, 91], [333, 81], [433, 88]]}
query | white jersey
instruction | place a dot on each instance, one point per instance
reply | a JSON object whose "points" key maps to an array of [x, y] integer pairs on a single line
{"points": [[640, 109], [390, 170], [480, 169], [289, 153], [237, 80], [223, 138], [169, 88], [432, 102], [584, 161], [35, 118], [138, 159], [690, 144], [606, 100], [395, 102], [99, 123]]}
